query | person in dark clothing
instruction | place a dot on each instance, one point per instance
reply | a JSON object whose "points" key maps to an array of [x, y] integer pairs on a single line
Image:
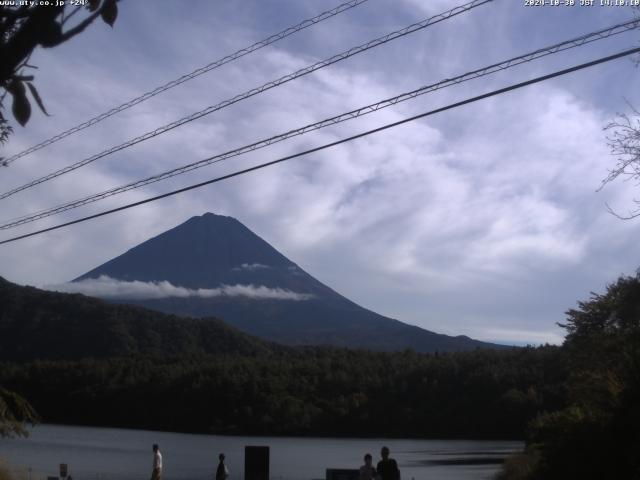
{"points": [[387, 467], [222, 473]]}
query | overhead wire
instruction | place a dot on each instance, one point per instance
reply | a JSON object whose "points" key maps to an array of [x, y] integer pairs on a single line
{"points": [[510, 63], [255, 91], [333, 144], [189, 76]]}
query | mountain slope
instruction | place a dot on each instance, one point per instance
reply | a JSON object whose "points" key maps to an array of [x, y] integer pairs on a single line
{"points": [[36, 324], [211, 251]]}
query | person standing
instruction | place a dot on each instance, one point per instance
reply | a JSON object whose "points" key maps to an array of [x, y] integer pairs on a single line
{"points": [[222, 473], [156, 474], [387, 467], [367, 471]]}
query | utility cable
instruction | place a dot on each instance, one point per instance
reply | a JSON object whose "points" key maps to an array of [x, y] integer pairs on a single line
{"points": [[185, 78], [333, 144], [255, 91], [512, 62]]}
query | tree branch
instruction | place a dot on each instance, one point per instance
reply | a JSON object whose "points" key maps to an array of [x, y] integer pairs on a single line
{"points": [[631, 215], [68, 17], [81, 26], [26, 39]]}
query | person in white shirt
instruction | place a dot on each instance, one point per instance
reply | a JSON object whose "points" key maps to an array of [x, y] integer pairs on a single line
{"points": [[156, 474]]}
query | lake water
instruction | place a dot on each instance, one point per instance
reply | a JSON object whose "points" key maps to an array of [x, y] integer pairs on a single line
{"points": [[119, 454]]}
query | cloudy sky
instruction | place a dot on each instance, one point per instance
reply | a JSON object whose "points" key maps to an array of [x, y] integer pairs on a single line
{"points": [[483, 220]]}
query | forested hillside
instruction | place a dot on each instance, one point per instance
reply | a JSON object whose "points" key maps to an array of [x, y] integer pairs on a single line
{"points": [[35, 324], [80, 360], [304, 392]]}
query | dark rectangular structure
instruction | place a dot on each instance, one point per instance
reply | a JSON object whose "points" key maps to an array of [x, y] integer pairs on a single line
{"points": [[256, 463]]}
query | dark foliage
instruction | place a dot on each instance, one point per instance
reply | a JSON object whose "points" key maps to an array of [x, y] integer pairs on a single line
{"points": [[15, 412], [35, 324], [23, 28], [84, 361], [302, 392], [597, 436]]}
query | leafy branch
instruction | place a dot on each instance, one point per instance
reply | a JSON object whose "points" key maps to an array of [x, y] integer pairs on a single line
{"points": [[24, 28], [15, 412]]}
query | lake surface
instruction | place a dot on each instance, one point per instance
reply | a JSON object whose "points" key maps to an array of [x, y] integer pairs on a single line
{"points": [[119, 454]]}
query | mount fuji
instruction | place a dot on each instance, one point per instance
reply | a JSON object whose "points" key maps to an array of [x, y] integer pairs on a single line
{"points": [[213, 265]]}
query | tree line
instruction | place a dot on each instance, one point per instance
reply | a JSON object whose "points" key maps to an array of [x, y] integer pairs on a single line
{"points": [[85, 361], [305, 391]]}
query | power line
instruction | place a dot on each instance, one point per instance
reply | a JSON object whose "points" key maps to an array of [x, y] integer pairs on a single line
{"points": [[512, 62], [333, 144], [255, 91], [185, 78]]}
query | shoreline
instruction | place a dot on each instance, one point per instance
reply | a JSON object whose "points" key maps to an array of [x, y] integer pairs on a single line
{"points": [[309, 436]]}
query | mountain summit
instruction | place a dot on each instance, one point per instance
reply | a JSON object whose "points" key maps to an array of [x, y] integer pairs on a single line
{"points": [[213, 265]]}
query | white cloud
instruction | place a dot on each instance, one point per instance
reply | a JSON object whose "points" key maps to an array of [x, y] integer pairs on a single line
{"points": [[251, 266], [107, 287]]}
